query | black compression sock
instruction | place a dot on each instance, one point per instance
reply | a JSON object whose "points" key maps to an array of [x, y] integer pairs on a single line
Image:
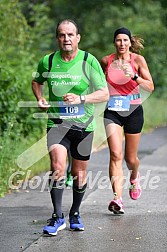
{"points": [[56, 192], [78, 194]]}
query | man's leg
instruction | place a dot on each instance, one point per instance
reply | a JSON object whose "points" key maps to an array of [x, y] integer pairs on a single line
{"points": [[57, 154], [80, 152], [79, 183], [58, 163]]}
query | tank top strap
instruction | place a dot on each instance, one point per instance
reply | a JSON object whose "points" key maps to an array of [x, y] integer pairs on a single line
{"points": [[132, 61], [110, 59]]}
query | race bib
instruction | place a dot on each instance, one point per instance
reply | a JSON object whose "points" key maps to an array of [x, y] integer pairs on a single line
{"points": [[119, 103], [71, 111]]}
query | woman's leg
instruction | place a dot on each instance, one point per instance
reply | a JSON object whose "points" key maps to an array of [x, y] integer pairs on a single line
{"points": [[132, 161], [131, 149], [114, 138]]}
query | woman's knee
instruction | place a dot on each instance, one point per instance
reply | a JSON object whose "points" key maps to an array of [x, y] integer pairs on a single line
{"points": [[131, 161], [115, 156]]}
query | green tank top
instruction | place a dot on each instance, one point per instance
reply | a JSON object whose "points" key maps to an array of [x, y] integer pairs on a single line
{"points": [[69, 77]]}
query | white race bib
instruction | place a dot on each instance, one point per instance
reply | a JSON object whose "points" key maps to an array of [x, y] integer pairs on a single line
{"points": [[71, 111], [119, 103]]}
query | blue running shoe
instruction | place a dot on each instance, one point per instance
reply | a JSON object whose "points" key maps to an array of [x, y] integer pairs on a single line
{"points": [[55, 224], [75, 222]]}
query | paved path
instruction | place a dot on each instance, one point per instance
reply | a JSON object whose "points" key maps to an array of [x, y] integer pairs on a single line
{"points": [[143, 227]]}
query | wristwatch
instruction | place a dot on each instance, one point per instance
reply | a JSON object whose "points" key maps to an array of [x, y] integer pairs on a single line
{"points": [[135, 76], [82, 98]]}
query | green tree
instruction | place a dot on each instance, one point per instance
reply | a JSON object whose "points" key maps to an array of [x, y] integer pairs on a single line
{"points": [[21, 47]]}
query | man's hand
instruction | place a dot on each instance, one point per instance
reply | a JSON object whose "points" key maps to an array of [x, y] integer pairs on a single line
{"points": [[71, 98], [42, 103]]}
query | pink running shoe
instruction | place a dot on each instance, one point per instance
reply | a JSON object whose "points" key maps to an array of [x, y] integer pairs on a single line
{"points": [[135, 188], [116, 206]]}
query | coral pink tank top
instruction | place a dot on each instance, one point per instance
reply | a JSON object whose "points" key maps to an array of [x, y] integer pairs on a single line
{"points": [[118, 83]]}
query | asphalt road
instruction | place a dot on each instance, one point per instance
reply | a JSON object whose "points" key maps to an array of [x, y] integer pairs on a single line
{"points": [[143, 227]]}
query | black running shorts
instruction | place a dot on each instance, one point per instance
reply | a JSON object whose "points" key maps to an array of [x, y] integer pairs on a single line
{"points": [[131, 121], [79, 142]]}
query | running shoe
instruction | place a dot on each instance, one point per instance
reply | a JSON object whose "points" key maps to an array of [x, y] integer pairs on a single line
{"points": [[116, 206], [135, 188], [55, 224], [69, 180], [75, 222]]}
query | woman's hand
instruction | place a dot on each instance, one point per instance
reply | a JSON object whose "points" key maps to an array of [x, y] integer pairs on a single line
{"points": [[128, 71]]}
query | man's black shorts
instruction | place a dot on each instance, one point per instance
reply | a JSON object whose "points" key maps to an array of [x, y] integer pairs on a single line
{"points": [[131, 121], [79, 142]]}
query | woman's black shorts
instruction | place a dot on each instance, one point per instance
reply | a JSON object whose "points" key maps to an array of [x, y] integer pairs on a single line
{"points": [[131, 121]]}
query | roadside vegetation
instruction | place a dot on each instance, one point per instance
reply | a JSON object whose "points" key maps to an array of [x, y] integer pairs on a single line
{"points": [[27, 33]]}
